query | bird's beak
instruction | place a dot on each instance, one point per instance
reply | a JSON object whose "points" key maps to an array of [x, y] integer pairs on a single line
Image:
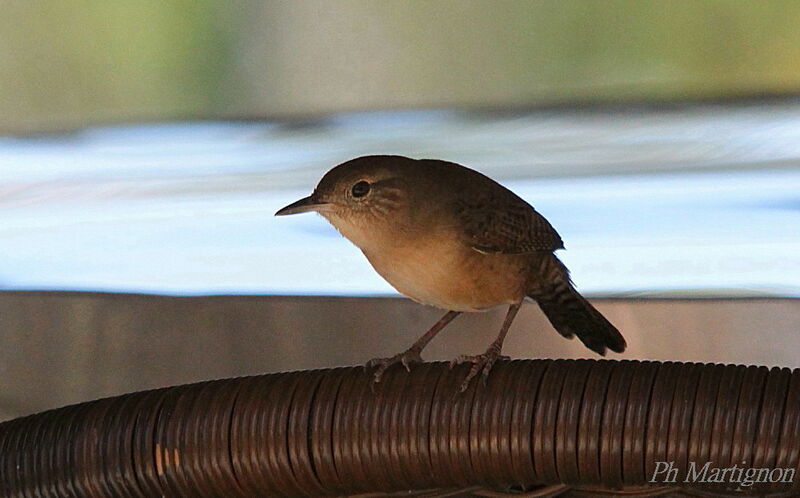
{"points": [[305, 204]]}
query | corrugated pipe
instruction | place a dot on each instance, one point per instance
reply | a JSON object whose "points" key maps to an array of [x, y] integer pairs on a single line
{"points": [[537, 428]]}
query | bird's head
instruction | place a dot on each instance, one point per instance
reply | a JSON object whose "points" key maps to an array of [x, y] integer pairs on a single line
{"points": [[362, 197]]}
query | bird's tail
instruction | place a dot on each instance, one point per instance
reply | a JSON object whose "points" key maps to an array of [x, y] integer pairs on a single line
{"points": [[570, 313]]}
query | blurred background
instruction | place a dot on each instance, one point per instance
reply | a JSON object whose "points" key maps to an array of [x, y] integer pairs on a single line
{"points": [[144, 147]]}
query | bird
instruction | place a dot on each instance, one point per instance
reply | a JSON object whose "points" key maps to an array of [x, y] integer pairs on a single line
{"points": [[448, 236]]}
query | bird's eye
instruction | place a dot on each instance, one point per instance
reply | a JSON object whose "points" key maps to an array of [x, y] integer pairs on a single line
{"points": [[360, 189]]}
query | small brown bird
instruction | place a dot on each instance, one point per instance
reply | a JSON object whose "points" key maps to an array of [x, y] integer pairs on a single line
{"points": [[448, 236]]}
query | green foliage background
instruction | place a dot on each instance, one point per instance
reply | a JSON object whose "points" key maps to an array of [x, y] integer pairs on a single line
{"points": [[68, 63]]}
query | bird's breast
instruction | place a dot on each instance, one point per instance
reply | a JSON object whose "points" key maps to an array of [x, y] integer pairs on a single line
{"points": [[445, 273]]}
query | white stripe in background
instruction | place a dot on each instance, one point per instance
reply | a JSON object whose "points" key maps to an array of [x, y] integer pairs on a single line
{"points": [[695, 201]]}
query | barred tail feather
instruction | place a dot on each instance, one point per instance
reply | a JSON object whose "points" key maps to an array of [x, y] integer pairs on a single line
{"points": [[571, 314]]}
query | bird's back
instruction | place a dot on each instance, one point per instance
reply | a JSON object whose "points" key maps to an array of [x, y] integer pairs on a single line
{"points": [[493, 218]]}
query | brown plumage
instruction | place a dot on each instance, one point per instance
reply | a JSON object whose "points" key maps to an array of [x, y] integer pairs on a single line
{"points": [[451, 237]]}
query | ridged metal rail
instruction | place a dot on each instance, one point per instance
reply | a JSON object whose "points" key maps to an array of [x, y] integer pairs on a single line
{"points": [[538, 427]]}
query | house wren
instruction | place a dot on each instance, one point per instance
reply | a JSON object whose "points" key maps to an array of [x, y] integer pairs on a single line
{"points": [[448, 236]]}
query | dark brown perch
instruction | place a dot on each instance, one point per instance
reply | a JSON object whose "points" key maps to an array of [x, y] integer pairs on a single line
{"points": [[580, 427]]}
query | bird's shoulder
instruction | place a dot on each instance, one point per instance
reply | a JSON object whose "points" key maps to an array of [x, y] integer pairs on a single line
{"points": [[493, 219]]}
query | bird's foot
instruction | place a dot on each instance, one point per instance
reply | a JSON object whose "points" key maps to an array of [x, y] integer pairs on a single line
{"points": [[406, 358], [480, 363]]}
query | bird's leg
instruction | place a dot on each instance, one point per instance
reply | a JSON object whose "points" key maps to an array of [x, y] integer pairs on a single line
{"points": [[412, 354], [484, 362]]}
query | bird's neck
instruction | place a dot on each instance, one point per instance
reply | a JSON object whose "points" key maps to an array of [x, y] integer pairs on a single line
{"points": [[372, 236]]}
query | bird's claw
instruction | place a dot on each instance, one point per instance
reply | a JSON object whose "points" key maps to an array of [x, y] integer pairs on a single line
{"points": [[480, 363], [406, 358]]}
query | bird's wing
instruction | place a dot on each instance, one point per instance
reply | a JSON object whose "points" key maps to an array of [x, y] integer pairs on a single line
{"points": [[505, 224]]}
